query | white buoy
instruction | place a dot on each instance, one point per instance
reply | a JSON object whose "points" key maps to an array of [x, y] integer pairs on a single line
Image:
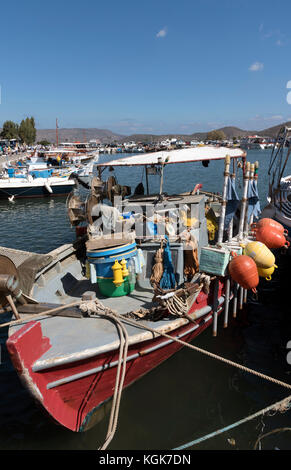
{"points": [[48, 187]]}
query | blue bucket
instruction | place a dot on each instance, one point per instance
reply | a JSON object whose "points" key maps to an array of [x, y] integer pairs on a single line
{"points": [[104, 259]]}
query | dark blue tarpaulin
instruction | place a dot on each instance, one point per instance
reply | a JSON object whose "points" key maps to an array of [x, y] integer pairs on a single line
{"points": [[232, 202], [253, 200], [168, 280]]}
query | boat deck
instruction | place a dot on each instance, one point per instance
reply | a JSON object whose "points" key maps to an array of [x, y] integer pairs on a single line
{"points": [[75, 339]]}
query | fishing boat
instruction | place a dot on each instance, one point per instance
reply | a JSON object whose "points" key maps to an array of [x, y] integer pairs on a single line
{"points": [[279, 197], [255, 142], [75, 152], [34, 178], [92, 317]]}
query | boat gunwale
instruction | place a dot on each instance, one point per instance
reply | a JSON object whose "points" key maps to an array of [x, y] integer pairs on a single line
{"points": [[168, 327]]}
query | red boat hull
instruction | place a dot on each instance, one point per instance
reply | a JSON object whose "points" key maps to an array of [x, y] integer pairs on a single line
{"points": [[72, 394]]}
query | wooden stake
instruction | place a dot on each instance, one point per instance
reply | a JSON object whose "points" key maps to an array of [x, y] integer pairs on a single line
{"points": [[38, 315], [13, 308]]}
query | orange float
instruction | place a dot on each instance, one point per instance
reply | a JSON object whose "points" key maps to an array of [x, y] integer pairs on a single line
{"points": [[271, 237], [267, 222], [244, 271]]}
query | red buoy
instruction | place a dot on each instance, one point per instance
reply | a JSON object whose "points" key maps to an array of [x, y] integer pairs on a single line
{"points": [[271, 237], [266, 222], [244, 271]]}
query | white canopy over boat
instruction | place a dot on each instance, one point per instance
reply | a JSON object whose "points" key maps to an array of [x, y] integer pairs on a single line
{"points": [[193, 154]]}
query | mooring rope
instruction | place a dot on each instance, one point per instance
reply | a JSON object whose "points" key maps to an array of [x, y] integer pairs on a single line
{"points": [[281, 406], [123, 348], [95, 307], [203, 351]]}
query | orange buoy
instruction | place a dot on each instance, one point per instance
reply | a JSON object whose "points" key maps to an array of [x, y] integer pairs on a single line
{"points": [[267, 222], [244, 271], [271, 237]]}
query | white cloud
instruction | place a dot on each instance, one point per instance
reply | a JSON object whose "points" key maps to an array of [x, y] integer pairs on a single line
{"points": [[256, 66], [277, 117], [162, 33]]}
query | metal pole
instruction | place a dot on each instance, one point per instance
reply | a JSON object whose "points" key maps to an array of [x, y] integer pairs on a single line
{"points": [[245, 296], [241, 296], [234, 305], [230, 228], [244, 201], [246, 224], [256, 179], [147, 179], [215, 307], [223, 205], [226, 302], [162, 178]]}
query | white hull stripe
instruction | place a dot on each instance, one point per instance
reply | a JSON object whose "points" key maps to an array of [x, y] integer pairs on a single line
{"points": [[129, 358]]}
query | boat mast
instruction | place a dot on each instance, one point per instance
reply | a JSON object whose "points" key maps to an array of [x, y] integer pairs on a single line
{"points": [[57, 136]]}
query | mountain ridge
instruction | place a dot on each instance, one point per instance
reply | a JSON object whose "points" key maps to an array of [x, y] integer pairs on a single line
{"points": [[106, 136]]}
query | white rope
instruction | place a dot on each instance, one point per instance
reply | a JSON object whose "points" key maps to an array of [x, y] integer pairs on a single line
{"points": [[120, 375]]}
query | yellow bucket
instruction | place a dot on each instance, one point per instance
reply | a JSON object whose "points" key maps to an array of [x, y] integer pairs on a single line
{"points": [[267, 272], [261, 254]]}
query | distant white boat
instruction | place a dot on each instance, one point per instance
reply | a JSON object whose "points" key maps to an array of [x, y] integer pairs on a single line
{"points": [[35, 179]]}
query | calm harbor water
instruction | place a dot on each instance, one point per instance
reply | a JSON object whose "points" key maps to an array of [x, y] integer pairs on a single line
{"points": [[189, 395]]}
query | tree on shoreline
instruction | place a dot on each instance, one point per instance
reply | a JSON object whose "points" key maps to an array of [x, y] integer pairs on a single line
{"points": [[216, 135], [27, 131], [10, 130]]}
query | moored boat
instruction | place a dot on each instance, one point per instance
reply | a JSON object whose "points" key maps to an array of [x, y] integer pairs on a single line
{"points": [[279, 197], [130, 267], [35, 179]]}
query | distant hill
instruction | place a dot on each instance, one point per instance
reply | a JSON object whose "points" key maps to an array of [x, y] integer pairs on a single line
{"points": [[273, 131], [230, 132], [77, 135], [106, 136]]}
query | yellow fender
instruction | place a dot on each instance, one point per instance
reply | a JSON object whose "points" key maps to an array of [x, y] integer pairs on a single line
{"points": [[117, 274], [262, 256], [267, 272]]}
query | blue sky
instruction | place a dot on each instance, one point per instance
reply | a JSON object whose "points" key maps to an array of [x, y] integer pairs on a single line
{"points": [[146, 66]]}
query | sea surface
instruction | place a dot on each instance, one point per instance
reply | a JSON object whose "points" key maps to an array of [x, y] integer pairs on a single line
{"points": [[189, 395]]}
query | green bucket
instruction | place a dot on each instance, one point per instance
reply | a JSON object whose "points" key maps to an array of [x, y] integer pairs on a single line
{"points": [[109, 289]]}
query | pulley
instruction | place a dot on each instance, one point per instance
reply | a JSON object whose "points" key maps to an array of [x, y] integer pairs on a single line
{"points": [[9, 280]]}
